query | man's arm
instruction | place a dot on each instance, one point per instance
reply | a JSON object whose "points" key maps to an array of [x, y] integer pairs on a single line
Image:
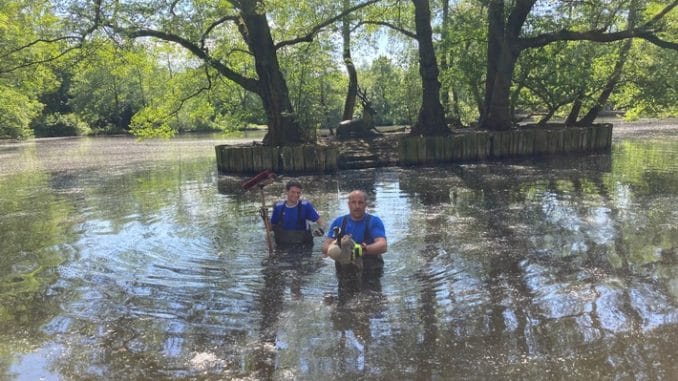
{"points": [[326, 244], [379, 246]]}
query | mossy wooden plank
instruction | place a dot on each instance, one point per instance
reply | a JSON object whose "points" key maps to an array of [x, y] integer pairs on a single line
{"points": [[257, 158], [569, 137], [448, 149], [266, 157], [528, 142], [286, 154], [496, 137], [402, 149], [321, 158], [331, 155], [468, 150], [421, 150], [310, 158], [506, 143], [442, 147], [249, 159], [431, 144], [480, 145], [581, 139], [217, 151], [482, 148], [457, 147], [540, 141], [410, 149], [602, 138], [504, 148], [298, 158]]}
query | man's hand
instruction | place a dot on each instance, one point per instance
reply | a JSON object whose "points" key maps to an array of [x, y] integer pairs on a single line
{"points": [[316, 229]]}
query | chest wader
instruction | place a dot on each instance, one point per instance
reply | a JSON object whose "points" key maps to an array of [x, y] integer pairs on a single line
{"points": [[373, 265], [292, 237]]}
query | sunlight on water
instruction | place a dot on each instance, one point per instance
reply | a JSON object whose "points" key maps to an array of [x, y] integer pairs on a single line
{"points": [[136, 260]]}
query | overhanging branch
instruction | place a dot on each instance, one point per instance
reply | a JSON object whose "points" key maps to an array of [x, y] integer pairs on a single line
{"points": [[658, 41], [247, 83], [390, 26], [214, 25], [645, 31], [316, 29]]}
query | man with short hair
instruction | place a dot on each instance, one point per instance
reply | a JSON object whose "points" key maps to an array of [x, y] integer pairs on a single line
{"points": [[289, 217], [366, 229]]}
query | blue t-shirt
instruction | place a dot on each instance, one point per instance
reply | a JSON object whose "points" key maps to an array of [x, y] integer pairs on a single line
{"points": [[357, 228], [290, 219]]}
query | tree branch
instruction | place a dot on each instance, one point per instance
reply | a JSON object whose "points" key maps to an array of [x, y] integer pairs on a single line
{"points": [[35, 42], [389, 25], [568, 35], [214, 25], [649, 37], [316, 29], [247, 83], [38, 62], [644, 31]]}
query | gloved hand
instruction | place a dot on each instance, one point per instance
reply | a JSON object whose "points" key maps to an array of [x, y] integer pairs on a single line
{"points": [[357, 250]]}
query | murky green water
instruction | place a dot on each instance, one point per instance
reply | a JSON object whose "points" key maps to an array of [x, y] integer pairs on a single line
{"points": [[136, 261]]}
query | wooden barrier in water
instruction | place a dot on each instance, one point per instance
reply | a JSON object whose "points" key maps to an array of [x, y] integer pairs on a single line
{"points": [[459, 147], [288, 159], [482, 145]]}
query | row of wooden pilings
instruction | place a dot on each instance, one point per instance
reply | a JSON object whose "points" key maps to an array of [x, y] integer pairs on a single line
{"points": [[289, 159], [461, 147], [482, 145]]}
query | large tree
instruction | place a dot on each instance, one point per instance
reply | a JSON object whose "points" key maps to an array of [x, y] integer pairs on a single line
{"points": [[208, 30], [507, 39], [431, 118]]}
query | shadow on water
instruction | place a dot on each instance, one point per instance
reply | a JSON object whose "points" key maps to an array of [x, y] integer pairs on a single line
{"points": [[156, 269]]}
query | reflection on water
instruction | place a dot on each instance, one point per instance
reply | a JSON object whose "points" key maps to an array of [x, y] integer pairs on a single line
{"points": [[126, 260]]}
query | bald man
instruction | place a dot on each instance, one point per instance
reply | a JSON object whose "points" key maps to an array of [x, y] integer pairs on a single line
{"points": [[366, 230]]}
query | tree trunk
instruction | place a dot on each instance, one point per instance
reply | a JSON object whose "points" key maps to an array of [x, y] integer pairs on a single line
{"points": [[349, 103], [431, 119], [495, 38], [571, 119], [444, 64], [283, 127], [498, 111], [503, 49]]}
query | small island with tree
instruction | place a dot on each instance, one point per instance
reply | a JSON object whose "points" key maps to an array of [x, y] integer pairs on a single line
{"points": [[467, 80]]}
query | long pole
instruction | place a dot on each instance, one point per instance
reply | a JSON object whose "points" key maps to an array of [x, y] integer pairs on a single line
{"points": [[267, 222]]}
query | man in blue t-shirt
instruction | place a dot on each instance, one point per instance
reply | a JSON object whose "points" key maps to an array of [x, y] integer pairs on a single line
{"points": [[289, 217], [366, 230]]}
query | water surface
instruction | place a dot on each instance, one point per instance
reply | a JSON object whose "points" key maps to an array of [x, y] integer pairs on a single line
{"points": [[126, 260]]}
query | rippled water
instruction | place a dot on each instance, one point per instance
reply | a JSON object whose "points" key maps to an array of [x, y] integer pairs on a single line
{"points": [[123, 260]]}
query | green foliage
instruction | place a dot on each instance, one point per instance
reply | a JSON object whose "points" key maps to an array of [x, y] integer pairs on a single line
{"points": [[650, 85], [317, 85], [395, 91], [22, 79], [556, 75], [466, 56], [60, 125], [110, 85], [16, 113]]}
